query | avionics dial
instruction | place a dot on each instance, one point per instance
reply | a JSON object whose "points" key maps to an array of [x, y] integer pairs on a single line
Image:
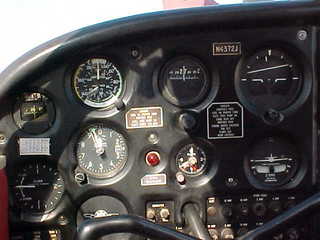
{"points": [[38, 187], [272, 162], [101, 151], [191, 159], [184, 81], [269, 79], [98, 83]]}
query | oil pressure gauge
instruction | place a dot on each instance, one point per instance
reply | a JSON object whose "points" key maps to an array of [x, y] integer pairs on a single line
{"points": [[191, 159]]}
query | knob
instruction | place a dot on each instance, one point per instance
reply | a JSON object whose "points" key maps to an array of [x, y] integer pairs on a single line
{"points": [[226, 211], [187, 121], [290, 204], [293, 234], [275, 206], [242, 231], [151, 214], [243, 209], [259, 209], [227, 234], [213, 234], [211, 211], [165, 213]]}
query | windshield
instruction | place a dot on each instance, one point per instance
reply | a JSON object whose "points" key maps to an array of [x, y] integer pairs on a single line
{"points": [[27, 23]]}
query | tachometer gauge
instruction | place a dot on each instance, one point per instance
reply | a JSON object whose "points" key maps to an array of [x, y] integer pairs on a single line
{"points": [[269, 79], [272, 162], [98, 83], [101, 152], [38, 187], [184, 81], [191, 159]]}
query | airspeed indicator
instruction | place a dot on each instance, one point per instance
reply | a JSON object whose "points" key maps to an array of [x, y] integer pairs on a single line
{"points": [[98, 83]]}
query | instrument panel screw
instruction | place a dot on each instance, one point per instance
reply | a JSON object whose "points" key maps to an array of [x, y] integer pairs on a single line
{"points": [[302, 35], [62, 220], [135, 53], [3, 138], [180, 178], [80, 178], [153, 138]]}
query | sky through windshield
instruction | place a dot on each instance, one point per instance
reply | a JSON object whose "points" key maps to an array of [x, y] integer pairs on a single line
{"points": [[28, 23]]}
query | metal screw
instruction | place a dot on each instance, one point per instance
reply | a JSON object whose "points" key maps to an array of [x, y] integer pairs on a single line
{"points": [[80, 178], [3, 138], [302, 35], [62, 220], [180, 178], [135, 53], [153, 138]]}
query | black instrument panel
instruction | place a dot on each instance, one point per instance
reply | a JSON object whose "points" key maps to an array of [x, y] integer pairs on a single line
{"points": [[204, 113]]}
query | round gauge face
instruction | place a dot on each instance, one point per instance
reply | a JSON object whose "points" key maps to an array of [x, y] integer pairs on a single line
{"points": [[34, 112], [272, 162], [38, 187], [191, 159], [101, 152], [184, 81], [98, 83], [269, 79]]}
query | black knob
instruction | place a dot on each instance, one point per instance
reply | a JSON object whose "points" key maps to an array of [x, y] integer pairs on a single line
{"points": [[293, 234], [243, 209], [187, 121], [259, 209], [275, 206], [226, 211]]}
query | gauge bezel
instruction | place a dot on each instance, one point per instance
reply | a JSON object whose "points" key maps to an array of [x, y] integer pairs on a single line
{"points": [[106, 104], [291, 181], [199, 171], [16, 111], [302, 93], [30, 216], [172, 99], [108, 175], [210, 170]]}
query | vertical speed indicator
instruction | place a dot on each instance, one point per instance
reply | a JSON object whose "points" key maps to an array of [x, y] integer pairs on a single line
{"points": [[97, 83]]}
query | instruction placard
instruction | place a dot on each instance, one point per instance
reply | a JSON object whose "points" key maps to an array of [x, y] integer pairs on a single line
{"points": [[145, 117], [225, 120]]}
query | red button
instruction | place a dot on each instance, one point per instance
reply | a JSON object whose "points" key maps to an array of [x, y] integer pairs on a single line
{"points": [[153, 158]]}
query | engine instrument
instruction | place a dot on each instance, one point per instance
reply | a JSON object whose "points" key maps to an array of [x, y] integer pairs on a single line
{"points": [[101, 151], [38, 187], [98, 83], [269, 79], [191, 159]]}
